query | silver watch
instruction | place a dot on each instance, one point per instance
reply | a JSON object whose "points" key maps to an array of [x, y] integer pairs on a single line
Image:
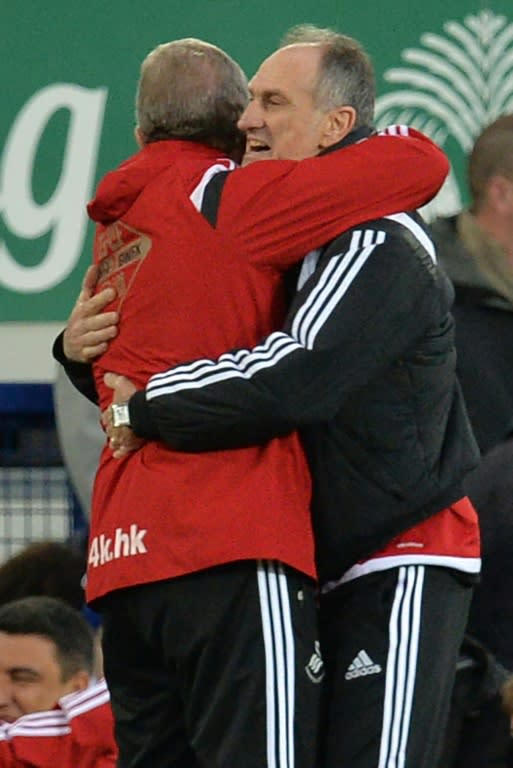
{"points": [[120, 415]]}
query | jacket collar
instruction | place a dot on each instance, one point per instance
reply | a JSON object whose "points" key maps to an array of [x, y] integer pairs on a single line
{"points": [[352, 138]]}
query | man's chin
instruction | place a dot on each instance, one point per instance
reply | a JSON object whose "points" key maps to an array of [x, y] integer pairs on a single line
{"points": [[253, 157]]}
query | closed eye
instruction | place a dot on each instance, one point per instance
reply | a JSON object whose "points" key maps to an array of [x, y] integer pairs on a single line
{"points": [[274, 101], [24, 675]]}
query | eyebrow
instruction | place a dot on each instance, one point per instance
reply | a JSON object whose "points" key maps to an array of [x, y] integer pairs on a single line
{"points": [[266, 92]]}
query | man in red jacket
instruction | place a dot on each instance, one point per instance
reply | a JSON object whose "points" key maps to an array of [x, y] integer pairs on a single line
{"points": [[51, 711], [206, 561]]}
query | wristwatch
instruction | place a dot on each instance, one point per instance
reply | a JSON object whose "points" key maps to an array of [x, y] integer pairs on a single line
{"points": [[120, 414]]}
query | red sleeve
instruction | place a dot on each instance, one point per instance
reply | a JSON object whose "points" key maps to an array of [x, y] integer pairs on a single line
{"points": [[89, 715], [93, 734], [278, 210], [34, 750], [78, 734], [7, 757], [47, 751]]}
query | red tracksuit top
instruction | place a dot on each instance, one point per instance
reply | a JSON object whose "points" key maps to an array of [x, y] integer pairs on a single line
{"points": [[188, 290], [79, 733]]}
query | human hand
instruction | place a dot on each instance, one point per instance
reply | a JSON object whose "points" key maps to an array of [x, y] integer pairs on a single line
{"points": [[122, 440], [122, 388], [89, 329]]}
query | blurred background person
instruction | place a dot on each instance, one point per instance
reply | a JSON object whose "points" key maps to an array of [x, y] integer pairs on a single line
{"points": [[476, 249], [51, 569], [507, 700], [80, 439], [52, 712]]}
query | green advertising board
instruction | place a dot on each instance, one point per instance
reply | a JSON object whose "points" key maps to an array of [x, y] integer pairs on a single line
{"points": [[69, 75]]}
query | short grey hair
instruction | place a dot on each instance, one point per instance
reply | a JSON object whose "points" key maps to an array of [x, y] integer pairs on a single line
{"points": [[346, 75], [190, 89]]}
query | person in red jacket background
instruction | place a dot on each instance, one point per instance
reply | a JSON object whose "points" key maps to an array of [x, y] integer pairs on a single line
{"points": [[53, 714]]}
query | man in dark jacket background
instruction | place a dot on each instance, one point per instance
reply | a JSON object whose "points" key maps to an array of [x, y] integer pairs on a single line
{"points": [[476, 250]]}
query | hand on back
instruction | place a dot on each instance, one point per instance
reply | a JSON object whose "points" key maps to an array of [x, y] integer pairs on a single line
{"points": [[89, 328]]}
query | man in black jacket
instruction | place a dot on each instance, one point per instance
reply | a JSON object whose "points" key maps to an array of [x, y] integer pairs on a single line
{"points": [[365, 366]]}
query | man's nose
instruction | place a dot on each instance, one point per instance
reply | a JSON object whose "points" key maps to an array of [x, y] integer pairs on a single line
{"points": [[252, 117], [5, 694]]}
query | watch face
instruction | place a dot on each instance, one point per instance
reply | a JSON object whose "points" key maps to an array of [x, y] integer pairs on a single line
{"points": [[120, 415]]}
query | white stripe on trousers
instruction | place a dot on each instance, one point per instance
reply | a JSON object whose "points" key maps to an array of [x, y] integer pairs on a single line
{"points": [[404, 628], [280, 663]]}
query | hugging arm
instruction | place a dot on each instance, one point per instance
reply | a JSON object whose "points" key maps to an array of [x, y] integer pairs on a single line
{"points": [[354, 316]]}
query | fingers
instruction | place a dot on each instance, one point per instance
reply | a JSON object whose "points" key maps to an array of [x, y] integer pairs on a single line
{"points": [[89, 283], [87, 292], [95, 322], [110, 380], [94, 304], [123, 441], [88, 354], [106, 420], [89, 328], [119, 453], [122, 451], [83, 343], [123, 387]]}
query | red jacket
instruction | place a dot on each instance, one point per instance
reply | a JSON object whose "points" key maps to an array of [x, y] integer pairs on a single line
{"points": [[187, 290], [77, 734]]}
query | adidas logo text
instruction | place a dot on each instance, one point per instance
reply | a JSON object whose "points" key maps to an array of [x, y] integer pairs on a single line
{"points": [[361, 666]]}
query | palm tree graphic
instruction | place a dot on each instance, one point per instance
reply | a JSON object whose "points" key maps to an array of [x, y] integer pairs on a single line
{"points": [[453, 86]]}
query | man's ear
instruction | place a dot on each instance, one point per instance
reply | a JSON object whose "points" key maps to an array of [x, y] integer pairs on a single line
{"points": [[500, 195], [140, 138], [78, 682], [338, 123]]}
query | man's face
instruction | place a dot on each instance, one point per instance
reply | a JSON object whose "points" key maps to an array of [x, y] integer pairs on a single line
{"points": [[30, 676], [281, 120]]}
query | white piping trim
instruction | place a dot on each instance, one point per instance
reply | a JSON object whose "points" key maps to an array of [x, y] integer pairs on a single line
{"points": [[279, 658], [269, 665], [196, 196], [333, 285], [416, 230], [244, 365], [290, 658], [457, 563], [412, 663], [404, 630]]}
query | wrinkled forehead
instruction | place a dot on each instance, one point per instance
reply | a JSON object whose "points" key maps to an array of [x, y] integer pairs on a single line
{"points": [[291, 69]]}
